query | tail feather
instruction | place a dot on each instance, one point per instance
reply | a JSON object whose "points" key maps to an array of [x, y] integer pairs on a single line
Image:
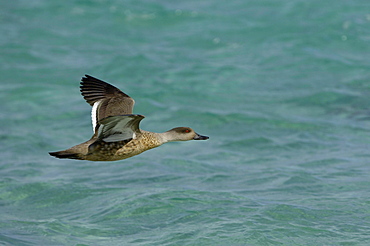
{"points": [[65, 155]]}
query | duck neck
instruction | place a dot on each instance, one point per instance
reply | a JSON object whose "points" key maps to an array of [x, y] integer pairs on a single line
{"points": [[156, 138], [165, 137]]}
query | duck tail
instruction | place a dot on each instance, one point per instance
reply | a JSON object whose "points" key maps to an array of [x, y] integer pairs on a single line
{"points": [[65, 155]]}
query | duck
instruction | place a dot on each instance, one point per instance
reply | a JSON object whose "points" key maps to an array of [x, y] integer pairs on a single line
{"points": [[117, 134]]}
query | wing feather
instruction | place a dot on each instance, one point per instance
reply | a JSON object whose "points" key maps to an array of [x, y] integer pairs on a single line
{"points": [[105, 99], [119, 128]]}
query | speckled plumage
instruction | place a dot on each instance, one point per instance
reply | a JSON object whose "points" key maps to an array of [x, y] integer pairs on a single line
{"points": [[122, 149], [117, 134]]}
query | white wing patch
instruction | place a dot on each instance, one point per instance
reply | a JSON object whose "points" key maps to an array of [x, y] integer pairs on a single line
{"points": [[94, 114]]}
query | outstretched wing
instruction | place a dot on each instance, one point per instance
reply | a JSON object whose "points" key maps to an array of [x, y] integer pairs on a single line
{"points": [[105, 99], [119, 128]]}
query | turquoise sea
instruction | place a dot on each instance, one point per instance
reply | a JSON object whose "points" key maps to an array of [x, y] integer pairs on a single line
{"points": [[281, 87]]}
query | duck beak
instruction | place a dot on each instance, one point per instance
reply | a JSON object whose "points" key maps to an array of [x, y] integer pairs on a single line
{"points": [[200, 137]]}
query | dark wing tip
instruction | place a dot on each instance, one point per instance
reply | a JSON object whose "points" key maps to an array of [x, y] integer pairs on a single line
{"points": [[94, 89], [89, 78]]}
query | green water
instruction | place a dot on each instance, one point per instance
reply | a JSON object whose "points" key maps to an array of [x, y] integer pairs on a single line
{"points": [[281, 87]]}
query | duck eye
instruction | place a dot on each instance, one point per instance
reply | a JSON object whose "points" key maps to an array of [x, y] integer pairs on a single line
{"points": [[187, 130]]}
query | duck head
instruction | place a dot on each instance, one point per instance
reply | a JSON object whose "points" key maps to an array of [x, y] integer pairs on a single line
{"points": [[184, 134]]}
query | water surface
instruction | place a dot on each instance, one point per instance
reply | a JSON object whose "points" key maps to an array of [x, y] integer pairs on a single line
{"points": [[281, 87]]}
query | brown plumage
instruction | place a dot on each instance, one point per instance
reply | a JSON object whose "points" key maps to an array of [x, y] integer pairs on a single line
{"points": [[117, 134]]}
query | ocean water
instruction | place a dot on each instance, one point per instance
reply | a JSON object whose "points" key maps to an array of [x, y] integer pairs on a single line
{"points": [[281, 88]]}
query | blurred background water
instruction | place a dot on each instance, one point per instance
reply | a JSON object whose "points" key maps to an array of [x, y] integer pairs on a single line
{"points": [[281, 87]]}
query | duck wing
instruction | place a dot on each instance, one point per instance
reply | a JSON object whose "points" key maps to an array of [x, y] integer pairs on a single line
{"points": [[119, 128], [105, 99]]}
